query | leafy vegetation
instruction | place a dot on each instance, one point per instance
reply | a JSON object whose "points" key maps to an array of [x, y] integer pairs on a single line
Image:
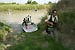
{"points": [[6, 7], [4, 30], [34, 2], [67, 27], [29, 1], [67, 21]]}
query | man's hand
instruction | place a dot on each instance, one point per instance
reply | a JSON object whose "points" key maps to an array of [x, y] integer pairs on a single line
{"points": [[50, 23]]}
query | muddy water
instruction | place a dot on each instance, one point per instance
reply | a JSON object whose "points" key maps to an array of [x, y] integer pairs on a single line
{"points": [[15, 18]]}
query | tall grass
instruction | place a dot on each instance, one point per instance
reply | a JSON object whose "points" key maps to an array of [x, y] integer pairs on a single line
{"points": [[5, 7]]}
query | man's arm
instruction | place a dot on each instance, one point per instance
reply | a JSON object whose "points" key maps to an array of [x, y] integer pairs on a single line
{"points": [[48, 22], [56, 19], [51, 23]]}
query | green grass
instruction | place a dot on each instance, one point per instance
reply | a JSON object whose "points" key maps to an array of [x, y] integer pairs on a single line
{"points": [[5, 7], [3, 29], [38, 41], [1, 46]]}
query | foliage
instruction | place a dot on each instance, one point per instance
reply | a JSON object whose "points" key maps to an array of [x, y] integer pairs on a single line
{"points": [[1, 46], [29, 1], [13, 3], [67, 20], [49, 2], [3, 30], [65, 4], [5, 7], [34, 2]]}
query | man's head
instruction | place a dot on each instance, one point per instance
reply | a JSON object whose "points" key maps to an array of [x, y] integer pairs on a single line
{"points": [[54, 11]]}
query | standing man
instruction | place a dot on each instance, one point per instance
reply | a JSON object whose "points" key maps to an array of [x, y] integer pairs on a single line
{"points": [[52, 21]]}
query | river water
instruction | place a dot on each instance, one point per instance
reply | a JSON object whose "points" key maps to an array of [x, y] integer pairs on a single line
{"points": [[15, 18]]}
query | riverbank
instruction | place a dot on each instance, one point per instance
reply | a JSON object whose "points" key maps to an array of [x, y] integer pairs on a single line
{"points": [[36, 41], [28, 41]]}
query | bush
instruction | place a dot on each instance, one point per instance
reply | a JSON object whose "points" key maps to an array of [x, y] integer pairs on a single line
{"points": [[67, 20], [34, 2]]}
